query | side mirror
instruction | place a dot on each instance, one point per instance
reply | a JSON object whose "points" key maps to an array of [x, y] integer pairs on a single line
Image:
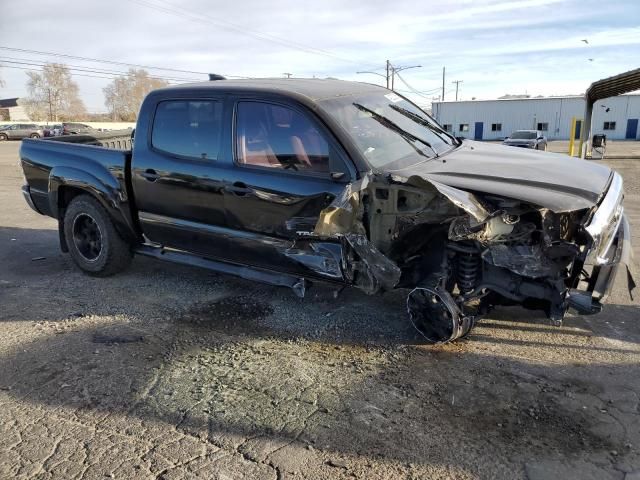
{"points": [[540, 138]]}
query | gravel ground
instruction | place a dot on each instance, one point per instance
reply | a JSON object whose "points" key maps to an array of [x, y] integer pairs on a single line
{"points": [[172, 372]]}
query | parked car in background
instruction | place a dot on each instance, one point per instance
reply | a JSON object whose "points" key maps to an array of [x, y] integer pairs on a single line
{"points": [[76, 128], [53, 130], [19, 131], [527, 139]]}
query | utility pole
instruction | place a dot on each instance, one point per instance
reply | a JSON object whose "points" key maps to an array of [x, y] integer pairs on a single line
{"points": [[391, 73], [50, 109], [443, 84], [288, 75], [388, 72], [457, 82]]}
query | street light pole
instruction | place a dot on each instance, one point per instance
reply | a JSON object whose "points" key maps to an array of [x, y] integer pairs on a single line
{"points": [[376, 73], [391, 72], [395, 70]]}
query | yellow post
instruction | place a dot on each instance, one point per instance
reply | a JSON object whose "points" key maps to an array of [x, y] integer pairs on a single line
{"points": [[587, 154], [572, 136]]}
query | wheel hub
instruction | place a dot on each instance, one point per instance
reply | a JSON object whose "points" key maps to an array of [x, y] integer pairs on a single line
{"points": [[87, 237]]}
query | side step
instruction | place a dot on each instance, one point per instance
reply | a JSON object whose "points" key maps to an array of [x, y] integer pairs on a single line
{"points": [[298, 285]]}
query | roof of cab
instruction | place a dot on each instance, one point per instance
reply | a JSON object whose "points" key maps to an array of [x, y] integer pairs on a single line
{"points": [[312, 88]]}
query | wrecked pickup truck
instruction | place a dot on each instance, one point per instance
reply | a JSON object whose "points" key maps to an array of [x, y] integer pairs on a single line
{"points": [[294, 181]]}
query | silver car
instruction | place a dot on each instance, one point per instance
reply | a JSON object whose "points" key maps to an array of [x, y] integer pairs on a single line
{"points": [[527, 139], [18, 131]]}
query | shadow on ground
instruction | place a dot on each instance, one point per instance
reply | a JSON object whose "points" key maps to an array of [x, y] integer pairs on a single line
{"points": [[254, 370]]}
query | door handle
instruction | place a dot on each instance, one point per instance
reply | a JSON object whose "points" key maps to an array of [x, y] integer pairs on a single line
{"points": [[238, 188], [150, 175]]}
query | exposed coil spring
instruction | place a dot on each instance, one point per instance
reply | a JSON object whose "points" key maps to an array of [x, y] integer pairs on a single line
{"points": [[467, 271]]}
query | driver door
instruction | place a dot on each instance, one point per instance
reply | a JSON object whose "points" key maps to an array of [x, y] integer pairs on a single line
{"points": [[287, 169]]}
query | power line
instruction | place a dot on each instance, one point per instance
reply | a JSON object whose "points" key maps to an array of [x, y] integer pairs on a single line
{"points": [[75, 74], [421, 93], [204, 18], [79, 68], [111, 62]]}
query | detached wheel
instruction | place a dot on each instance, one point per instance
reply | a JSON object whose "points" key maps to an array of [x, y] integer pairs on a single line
{"points": [[94, 244]]}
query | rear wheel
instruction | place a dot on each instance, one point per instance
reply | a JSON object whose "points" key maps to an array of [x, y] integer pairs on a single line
{"points": [[34, 135], [94, 243]]}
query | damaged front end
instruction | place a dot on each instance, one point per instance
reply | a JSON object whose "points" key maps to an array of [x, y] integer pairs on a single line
{"points": [[462, 253]]}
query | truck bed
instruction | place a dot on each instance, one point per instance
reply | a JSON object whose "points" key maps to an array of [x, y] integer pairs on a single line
{"points": [[99, 162]]}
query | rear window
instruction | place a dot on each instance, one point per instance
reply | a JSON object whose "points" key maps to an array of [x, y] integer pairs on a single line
{"points": [[524, 135], [188, 128]]}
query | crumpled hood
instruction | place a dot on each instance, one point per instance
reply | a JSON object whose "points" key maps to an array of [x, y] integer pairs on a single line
{"points": [[549, 180]]}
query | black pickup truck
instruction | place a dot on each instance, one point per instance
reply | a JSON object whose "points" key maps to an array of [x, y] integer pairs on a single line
{"points": [[289, 182]]}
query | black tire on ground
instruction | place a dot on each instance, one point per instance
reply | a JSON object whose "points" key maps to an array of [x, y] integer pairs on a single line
{"points": [[94, 244], [3, 137], [34, 135]]}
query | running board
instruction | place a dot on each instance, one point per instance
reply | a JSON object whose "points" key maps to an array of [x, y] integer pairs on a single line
{"points": [[298, 285]]}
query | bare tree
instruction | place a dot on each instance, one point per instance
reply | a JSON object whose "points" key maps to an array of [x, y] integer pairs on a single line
{"points": [[124, 95], [53, 95]]}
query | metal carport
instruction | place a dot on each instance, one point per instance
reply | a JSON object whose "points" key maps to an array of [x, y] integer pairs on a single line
{"points": [[605, 88]]}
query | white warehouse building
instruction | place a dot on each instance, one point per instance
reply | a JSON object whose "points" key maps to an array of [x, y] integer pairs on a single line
{"points": [[616, 117]]}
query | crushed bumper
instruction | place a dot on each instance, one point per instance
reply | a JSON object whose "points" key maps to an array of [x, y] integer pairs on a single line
{"points": [[618, 256]]}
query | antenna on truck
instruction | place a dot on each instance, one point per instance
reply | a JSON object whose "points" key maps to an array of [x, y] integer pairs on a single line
{"points": [[214, 76]]}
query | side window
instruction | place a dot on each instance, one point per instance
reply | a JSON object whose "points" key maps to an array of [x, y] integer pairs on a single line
{"points": [[274, 136], [189, 128]]}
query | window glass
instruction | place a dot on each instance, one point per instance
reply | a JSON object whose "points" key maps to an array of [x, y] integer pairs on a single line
{"points": [[274, 136], [609, 125], [464, 127], [189, 128], [496, 127], [448, 127], [524, 135], [388, 129], [543, 127]]}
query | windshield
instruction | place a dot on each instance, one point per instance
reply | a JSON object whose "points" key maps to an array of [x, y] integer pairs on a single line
{"points": [[389, 129], [524, 135]]}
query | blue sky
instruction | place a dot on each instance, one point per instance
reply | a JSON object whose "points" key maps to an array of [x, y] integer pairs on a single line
{"points": [[494, 47]]}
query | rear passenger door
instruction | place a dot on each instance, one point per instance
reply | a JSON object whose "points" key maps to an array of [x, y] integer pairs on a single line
{"points": [[16, 131], [284, 161], [176, 174]]}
